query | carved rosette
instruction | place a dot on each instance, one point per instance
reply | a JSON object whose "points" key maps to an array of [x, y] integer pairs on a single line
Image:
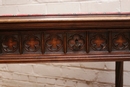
{"points": [[10, 44], [32, 43], [76, 42], [120, 42], [54, 43], [98, 42]]}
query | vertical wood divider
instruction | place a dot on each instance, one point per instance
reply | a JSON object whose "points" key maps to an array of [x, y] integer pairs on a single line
{"points": [[42, 43], [0, 44], [109, 41], [87, 42], [129, 40], [65, 42], [20, 43]]}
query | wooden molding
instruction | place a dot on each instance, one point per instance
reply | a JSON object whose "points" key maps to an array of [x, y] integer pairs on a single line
{"points": [[65, 38]]}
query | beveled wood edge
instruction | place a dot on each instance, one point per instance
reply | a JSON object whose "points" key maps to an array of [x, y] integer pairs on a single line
{"points": [[63, 58], [65, 22], [57, 18]]}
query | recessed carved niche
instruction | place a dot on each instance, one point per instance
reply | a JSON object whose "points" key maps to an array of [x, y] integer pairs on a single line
{"points": [[54, 43], [31, 43], [76, 42], [98, 41], [120, 41], [10, 43]]}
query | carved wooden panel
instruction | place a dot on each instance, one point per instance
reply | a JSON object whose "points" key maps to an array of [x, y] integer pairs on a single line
{"points": [[76, 42], [31, 42], [10, 43], [120, 41], [34, 42], [53, 43], [65, 38], [98, 41]]}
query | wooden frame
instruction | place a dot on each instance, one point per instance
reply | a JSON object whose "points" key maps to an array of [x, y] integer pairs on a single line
{"points": [[66, 38]]}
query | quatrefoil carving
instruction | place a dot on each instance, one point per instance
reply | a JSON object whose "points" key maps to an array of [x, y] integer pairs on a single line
{"points": [[32, 43], [98, 42], [120, 42], [10, 44], [76, 42], [54, 43]]}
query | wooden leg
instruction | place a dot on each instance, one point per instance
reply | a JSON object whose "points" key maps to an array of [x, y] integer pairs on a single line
{"points": [[119, 74]]}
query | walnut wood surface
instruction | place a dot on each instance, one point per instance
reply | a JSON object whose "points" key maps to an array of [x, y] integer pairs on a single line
{"points": [[65, 38], [119, 74], [64, 22]]}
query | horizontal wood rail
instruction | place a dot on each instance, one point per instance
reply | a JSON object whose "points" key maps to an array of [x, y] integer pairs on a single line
{"points": [[65, 38]]}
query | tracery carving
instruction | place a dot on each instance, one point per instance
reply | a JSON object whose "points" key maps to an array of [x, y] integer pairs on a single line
{"points": [[120, 42], [98, 42], [76, 42], [32, 43], [10, 44], [54, 43]]}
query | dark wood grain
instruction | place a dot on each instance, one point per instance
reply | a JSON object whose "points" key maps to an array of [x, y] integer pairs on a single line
{"points": [[110, 41], [87, 42], [42, 42], [65, 44], [119, 74], [88, 22]]}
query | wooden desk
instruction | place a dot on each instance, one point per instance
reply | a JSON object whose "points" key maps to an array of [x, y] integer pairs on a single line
{"points": [[66, 38]]}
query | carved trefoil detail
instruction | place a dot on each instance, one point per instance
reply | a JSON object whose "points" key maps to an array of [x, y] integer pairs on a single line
{"points": [[98, 42], [120, 42], [76, 42], [32, 43], [10, 43], [54, 43]]}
